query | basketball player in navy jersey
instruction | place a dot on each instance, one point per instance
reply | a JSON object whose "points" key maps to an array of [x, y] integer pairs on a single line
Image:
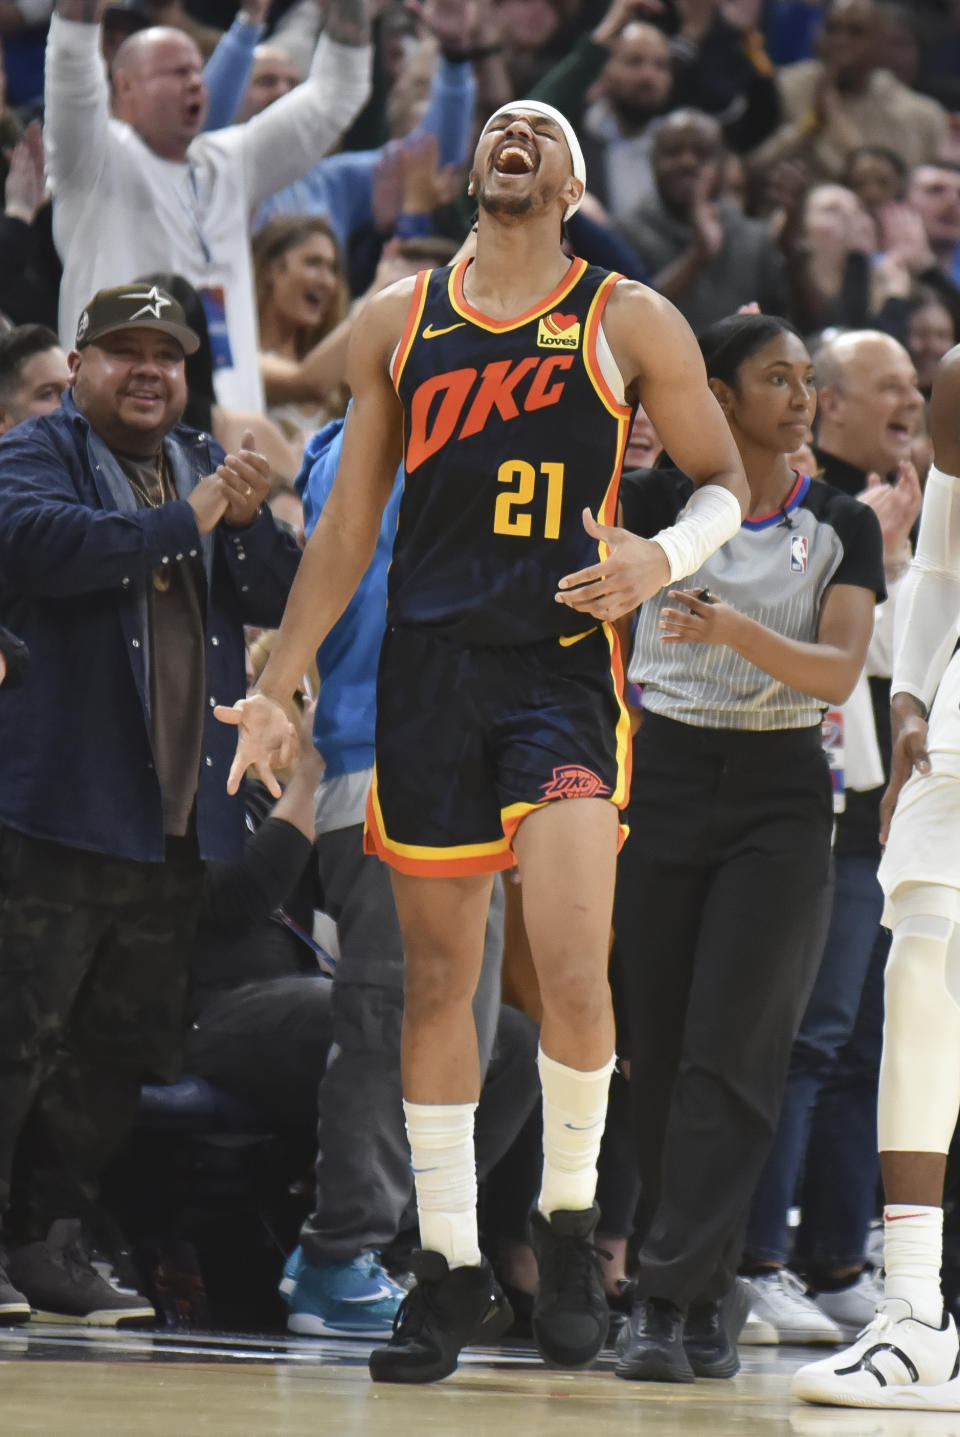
{"points": [[506, 385]]}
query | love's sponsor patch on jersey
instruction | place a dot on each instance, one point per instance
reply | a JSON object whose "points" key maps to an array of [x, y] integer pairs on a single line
{"points": [[558, 331]]}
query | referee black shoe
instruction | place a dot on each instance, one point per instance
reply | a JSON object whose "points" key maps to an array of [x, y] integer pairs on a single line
{"points": [[570, 1312], [711, 1331], [447, 1310], [650, 1346]]}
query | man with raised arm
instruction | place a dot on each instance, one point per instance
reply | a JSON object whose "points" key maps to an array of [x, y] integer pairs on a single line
{"points": [[507, 386], [143, 189]]}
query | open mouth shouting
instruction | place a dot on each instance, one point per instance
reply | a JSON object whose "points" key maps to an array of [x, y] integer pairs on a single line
{"points": [[901, 433], [515, 157]]}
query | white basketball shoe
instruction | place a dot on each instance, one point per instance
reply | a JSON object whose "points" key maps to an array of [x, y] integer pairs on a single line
{"points": [[897, 1361]]}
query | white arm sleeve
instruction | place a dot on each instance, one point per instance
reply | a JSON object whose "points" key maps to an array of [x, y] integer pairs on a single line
{"points": [[928, 604], [710, 517], [291, 135], [77, 107]]}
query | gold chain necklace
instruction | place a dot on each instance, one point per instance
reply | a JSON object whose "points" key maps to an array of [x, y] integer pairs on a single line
{"points": [[162, 578]]}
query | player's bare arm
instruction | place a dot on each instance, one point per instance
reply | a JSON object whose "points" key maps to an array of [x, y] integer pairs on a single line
{"points": [[908, 714], [340, 547], [660, 361]]}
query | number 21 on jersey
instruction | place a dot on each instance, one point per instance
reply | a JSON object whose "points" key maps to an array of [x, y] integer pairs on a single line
{"points": [[524, 478]]}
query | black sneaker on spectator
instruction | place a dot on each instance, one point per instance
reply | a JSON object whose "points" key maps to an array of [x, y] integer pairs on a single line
{"points": [[711, 1331], [570, 1312], [446, 1310], [14, 1307], [650, 1346], [62, 1285]]}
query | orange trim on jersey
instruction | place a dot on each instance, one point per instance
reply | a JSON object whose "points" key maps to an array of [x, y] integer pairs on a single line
{"points": [[621, 793], [414, 315], [422, 861], [591, 358], [499, 326], [607, 513]]}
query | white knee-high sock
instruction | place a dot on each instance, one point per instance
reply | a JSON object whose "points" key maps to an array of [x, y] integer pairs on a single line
{"points": [[912, 1250], [445, 1174], [574, 1112]]}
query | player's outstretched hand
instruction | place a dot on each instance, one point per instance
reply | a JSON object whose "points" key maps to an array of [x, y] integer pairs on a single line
{"points": [[266, 741], [909, 753], [633, 570]]}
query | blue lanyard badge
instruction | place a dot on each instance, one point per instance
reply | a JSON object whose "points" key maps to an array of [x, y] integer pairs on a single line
{"points": [[215, 308]]}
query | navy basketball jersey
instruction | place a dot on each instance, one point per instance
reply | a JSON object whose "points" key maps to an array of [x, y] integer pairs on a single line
{"points": [[511, 429]]}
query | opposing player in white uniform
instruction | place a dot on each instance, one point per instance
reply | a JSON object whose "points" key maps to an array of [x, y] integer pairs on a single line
{"points": [[907, 1357]]}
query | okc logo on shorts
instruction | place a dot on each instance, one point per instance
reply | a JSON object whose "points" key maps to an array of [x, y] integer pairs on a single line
{"points": [[572, 780], [798, 553]]}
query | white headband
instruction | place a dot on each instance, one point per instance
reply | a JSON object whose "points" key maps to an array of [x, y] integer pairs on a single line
{"points": [[537, 107]]}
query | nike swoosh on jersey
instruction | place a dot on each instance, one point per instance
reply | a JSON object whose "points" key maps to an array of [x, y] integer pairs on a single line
{"points": [[567, 639], [431, 333]]}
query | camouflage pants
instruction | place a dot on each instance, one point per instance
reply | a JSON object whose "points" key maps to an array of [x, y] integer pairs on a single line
{"points": [[94, 953]]}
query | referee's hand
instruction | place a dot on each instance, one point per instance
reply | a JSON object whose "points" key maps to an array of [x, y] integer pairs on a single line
{"points": [[634, 569]]}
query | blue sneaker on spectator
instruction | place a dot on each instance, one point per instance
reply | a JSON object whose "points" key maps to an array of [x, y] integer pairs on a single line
{"points": [[340, 1299]]}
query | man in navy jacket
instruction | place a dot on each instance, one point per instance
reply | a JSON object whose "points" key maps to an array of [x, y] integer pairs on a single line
{"points": [[132, 553]]}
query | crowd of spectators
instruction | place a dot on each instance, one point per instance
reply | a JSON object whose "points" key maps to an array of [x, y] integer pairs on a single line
{"points": [[254, 176]]}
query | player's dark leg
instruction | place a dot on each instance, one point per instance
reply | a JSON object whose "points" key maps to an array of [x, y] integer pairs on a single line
{"points": [[567, 857], [455, 1300]]}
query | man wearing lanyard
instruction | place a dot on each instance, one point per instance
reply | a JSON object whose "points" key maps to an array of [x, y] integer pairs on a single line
{"points": [[143, 189]]}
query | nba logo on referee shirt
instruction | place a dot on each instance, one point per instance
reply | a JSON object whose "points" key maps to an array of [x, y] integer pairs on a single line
{"points": [[798, 553]]}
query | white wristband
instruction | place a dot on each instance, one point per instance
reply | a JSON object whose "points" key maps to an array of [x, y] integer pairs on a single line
{"points": [[711, 516]]}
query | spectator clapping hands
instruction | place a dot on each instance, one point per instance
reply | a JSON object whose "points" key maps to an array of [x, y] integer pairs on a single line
{"points": [[26, 187]]}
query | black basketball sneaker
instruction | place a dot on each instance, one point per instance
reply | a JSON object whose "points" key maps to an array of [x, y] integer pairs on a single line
{"points": [[570, 1312], [447, 1310]]}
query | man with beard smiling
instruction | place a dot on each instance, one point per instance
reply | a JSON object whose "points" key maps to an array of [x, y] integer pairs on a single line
{"points": [[633, 88], [133, 552], [706, 256], [506, 384]]}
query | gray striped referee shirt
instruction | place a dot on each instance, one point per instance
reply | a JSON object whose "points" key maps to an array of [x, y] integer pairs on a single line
{"points": [[775, 569]]}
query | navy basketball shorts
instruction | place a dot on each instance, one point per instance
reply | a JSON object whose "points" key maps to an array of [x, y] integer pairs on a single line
{"points": [[471, 740]]}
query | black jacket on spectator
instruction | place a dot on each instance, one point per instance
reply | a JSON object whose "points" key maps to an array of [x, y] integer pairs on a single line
{"points": [[858, 826], [30, 270], [16, 656]]}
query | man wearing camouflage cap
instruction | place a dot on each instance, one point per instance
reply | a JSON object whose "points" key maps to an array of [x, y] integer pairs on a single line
{"points": [[133, 552]]}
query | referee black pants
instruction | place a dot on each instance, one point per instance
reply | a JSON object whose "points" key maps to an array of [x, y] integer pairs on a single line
{"points": [[723, 897]]}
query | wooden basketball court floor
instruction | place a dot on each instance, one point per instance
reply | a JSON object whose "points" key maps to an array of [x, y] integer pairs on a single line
{"points": [[63, 1380]]}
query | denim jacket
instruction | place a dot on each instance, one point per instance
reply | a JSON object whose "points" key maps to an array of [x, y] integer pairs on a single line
{"points": [[76, 559]]}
